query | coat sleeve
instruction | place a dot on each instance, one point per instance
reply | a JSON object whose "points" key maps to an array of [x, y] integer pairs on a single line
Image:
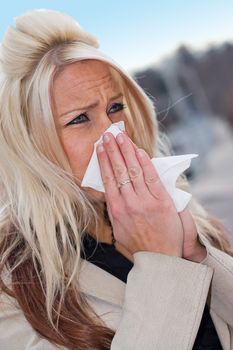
{"points": [[164, 301], [220, 298]]}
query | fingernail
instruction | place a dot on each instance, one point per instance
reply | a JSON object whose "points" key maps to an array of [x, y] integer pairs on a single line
{"points": [[106, 138], [100, 148], [120, 138], [140, 153]]}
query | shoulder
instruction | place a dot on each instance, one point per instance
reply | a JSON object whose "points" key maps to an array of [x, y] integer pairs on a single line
{"points": [[15, 331], [216, 257]]}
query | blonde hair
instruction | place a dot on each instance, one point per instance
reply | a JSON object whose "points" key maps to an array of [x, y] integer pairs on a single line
{"points": [[43, 213]]}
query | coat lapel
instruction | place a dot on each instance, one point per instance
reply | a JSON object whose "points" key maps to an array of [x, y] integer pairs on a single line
{"points": [[99, 283]]}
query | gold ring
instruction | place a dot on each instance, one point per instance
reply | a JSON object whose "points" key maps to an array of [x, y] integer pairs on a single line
{"points": [[124, 182]]}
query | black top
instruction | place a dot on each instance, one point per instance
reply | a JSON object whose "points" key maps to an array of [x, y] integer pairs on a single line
{"points": [[106, 257]]}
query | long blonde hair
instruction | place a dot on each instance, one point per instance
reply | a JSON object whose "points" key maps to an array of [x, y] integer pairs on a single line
{"points": [[43, 213]]}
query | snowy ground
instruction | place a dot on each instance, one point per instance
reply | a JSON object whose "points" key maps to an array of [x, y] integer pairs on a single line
{"points": [[214, 185]]}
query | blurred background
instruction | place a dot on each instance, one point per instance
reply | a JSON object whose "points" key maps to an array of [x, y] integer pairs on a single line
{"points": [[181, 53]]}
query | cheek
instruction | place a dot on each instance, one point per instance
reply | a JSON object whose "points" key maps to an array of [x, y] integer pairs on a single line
{"points": [[78, 152]]}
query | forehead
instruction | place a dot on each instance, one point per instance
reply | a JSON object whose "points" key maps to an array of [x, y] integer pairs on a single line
{"points": [[83, 76]]}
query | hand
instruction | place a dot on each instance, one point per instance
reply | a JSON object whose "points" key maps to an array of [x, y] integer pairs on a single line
{"points": [[142, 213], [192, 248]]}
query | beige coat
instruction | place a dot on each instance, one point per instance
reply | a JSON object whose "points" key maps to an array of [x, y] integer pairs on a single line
{"points": [[160, 307]]}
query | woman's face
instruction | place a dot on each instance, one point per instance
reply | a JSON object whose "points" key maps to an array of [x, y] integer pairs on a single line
{"points": [[86, 101]]}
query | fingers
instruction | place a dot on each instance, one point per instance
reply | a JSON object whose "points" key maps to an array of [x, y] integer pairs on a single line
{"points": [[118, 165], [107, 174], [151, 176], [133, 166], [124, 161]]}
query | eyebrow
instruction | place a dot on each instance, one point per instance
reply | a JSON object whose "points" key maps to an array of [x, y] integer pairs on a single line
{"points": [[91, 106]]}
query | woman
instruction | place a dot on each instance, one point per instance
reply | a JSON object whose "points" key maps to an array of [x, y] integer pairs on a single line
{"points": [[82, 269]]}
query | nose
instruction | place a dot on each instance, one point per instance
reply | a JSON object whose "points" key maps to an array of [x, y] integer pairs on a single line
{"points": [[104, 124]]}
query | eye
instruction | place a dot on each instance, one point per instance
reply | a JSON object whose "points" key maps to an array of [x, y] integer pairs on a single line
{"points": [[116, 107], [82, 118]]}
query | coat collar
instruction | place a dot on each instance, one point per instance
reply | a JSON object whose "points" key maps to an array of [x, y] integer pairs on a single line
{"points": [[99, 283]]}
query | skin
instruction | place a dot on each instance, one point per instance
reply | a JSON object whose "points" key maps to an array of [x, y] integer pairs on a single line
{"points": [[131, 207], [82, 84]]}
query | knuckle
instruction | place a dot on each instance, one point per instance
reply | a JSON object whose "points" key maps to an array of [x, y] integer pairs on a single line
{"points": [[153, 180], [108, 179], [134, 172], [120, 170]]}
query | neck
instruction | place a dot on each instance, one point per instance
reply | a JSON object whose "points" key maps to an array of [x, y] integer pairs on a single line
{"points": [[104, 234]]}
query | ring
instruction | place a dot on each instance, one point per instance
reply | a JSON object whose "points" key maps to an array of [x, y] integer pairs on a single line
{"points": [[124, 182]]}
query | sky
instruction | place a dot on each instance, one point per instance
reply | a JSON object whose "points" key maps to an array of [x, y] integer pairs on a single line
{"points": [[137, 33]]}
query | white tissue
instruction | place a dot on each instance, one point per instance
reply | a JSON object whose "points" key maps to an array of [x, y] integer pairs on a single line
{"points": [[168, 168]]}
